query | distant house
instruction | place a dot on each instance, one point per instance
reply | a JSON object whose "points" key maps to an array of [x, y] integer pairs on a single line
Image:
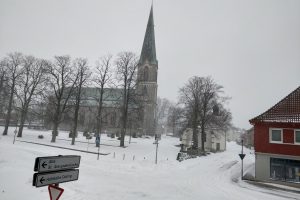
{"points": [[234, 134], [187, 139], [248, 137], [214, 140], [277, 141]]}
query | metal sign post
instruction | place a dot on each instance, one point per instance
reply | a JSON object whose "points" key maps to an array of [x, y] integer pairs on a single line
{"points": [[55, 163], [53, 170], [15, 135], [98, 140], [156, 142], [44, 179], [242, 156]]}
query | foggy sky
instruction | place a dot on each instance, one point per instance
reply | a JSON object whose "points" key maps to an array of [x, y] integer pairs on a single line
{"points": [[251, 47]]}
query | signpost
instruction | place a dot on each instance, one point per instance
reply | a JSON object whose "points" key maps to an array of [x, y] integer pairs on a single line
{"points": [[242, 156], [44, 179], [54, 170], [54, 163], [156, 142]]}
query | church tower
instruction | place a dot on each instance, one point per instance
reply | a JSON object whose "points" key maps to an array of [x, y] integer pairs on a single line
{"points": [[147, 79]]}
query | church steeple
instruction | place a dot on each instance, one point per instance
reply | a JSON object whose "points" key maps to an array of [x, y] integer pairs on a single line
{"points": [[149, 51], [147, 79]]}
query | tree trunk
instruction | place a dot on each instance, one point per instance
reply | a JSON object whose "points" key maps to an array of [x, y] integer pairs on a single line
{"points": [[195, 131], [23, 117], [99, 117], [123, 131], [202, 137], [195, 137], [55, 131], [74, 131], [125, 101], [7, 120]]}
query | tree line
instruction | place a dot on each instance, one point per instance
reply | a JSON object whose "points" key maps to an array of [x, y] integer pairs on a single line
{"points": [[32, 88]]}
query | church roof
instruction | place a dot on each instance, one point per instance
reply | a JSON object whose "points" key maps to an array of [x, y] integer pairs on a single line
{"points": [[111, 96], [286, 110], [148, 49]]}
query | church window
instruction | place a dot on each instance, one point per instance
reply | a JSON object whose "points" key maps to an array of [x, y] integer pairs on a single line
{"points": [[146, 73]]}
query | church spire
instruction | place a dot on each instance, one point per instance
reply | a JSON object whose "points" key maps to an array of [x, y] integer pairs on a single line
{"points": [[148, 50]]}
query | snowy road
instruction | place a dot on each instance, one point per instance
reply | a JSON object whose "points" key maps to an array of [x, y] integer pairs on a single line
{"points": [[216, 176]]}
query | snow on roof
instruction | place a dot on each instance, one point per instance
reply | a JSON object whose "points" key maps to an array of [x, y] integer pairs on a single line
{"points": [[286, 110]]}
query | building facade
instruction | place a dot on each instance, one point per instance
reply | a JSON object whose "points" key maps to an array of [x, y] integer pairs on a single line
{"points": [[147, 78], [214, 140], [277, 141]]}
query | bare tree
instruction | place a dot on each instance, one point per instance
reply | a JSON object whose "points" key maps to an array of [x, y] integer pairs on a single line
{"points": [[126, 65], [102, 77], [175, 118], [14, 65], [29, 86], [62, 80], [83, 75], [203, 103], [212, 112], [190, 96], [3, 85], [162, 107]]}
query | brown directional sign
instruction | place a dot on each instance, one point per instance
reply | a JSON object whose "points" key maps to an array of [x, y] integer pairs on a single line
{"points": [[55, 163], [44, 179]]}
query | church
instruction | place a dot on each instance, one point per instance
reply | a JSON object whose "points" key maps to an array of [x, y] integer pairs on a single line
{"points": [[141, 119]]}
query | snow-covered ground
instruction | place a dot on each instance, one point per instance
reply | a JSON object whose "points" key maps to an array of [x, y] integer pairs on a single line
{"points": [[216, 176]]}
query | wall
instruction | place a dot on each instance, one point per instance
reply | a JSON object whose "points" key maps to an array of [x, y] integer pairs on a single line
{"points": [[262, 165], [262, 144]]}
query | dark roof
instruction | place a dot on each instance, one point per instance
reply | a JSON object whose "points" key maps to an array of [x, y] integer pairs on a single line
{"points": [[149, 50], [286, 110]]}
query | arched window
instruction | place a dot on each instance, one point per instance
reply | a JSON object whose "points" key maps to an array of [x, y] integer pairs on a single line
{"points": [[146, 73]]}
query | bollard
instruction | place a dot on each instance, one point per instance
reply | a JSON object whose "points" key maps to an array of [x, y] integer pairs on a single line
{"points": [[114, 154], [133, 158], [124, 156]]}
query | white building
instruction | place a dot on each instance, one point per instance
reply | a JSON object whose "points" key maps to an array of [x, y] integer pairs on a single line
{"points": [[215, 140]]}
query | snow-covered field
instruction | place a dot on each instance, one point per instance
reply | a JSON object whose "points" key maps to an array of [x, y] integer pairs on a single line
{"points": [[216, 176]]}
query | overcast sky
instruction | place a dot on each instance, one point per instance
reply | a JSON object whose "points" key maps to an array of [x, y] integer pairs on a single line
{"points": [[251, 47]]}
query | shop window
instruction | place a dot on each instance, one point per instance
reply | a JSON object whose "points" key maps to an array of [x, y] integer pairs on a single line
{"points": [[285, 170], [276, 135]]}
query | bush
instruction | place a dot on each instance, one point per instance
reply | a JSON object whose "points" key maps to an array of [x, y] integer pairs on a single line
{"points": [[85, 133], [89, 136], [40, 136]]}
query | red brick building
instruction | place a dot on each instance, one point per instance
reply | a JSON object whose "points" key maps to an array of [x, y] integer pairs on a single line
{"points": [[277, 141]]}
